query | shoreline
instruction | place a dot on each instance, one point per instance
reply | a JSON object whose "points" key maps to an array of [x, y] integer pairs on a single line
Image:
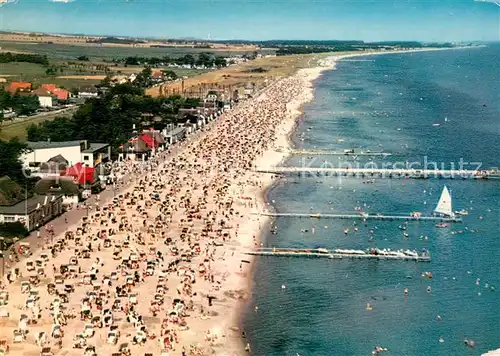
{"points": [[224, 155], [283, 141]]}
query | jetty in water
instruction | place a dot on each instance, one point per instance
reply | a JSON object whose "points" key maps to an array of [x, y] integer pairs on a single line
{"points": [[385, 172], [371, 254], [347, 153], [365, 216]]}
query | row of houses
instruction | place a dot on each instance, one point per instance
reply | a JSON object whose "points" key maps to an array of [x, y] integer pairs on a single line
{"points": [[145, 144], [71, 171], [33, 211], [49, 95]]}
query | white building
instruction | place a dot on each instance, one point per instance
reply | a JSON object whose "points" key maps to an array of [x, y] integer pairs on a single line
{"points": [[45, 101], [90, 154], [89, 92], [44, 97]]}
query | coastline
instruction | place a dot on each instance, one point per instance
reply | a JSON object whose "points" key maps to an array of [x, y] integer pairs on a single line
{"points": [[247, 227], [278, 152]]}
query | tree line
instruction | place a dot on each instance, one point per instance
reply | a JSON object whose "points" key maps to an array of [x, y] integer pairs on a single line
{"points": [[8, 57], [203, 59], [21, 104]]}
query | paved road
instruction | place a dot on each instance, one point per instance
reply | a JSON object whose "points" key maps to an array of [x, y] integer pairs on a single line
{"points": [[20, 120]]}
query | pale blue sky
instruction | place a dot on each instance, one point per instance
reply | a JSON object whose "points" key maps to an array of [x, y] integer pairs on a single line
{"points": [[369, 20]]}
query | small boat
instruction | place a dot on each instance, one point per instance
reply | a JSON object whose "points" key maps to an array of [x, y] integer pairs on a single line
{"points": [[461, 212], [442, 225], [435, 125]]}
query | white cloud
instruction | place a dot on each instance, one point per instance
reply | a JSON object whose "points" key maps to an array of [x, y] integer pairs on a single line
{"points": [[494, 2]]}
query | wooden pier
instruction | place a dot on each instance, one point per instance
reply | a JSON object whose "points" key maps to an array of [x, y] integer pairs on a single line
{"points": [[364, 217], [336, 153], [385, 173], [336, 254]]}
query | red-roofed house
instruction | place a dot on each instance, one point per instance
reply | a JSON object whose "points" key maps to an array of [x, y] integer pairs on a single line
{"points": [[19, 87], [157, 76], [150, 140], [61, 94], [49, 87]]}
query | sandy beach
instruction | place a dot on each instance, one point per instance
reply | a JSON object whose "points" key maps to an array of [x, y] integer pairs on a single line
{"points": [[161, 269]]}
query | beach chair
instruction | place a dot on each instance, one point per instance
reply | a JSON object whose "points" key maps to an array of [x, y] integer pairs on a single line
{"points": [[56, 331], [112, 337], [88, 330], [30, 266], [30, 302], [46, 351], [17, 336], [4, 312], [90, 351], [132, 298], [4, 298]]}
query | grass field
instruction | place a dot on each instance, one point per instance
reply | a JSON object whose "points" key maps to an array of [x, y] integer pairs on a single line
{"points": [[96, 52], [17, 128]]}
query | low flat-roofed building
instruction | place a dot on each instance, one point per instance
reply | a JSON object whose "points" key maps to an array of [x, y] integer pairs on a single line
{"points": [[32, 211], [43, 151], [61, 186], [91, 154], [176, 135], [96, 153]]}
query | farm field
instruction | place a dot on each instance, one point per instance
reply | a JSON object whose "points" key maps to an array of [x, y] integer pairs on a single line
{"points": [[255, 73], [107, 53]]}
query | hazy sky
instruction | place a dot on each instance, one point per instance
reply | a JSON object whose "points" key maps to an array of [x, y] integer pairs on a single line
{"points": [[369, 20]]}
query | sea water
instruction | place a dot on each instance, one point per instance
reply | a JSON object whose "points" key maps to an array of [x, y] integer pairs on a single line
{"points": [[437, 107]]}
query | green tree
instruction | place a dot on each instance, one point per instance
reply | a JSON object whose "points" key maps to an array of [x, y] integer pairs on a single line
{"points": [[220, 62], [170, 74], [11, 230], [145, 78], [10, 163]]}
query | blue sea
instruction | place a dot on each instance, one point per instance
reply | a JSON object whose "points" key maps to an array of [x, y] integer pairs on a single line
{"points": [[441, 107]]}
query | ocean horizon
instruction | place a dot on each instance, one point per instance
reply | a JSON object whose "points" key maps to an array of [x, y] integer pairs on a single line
{"points": [[436, 107]]}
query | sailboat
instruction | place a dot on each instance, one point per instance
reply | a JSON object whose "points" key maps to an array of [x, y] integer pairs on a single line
{"points": [[443, 207]]}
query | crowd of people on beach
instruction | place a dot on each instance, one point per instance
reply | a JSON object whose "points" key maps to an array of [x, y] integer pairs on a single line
{"points": [[158, 269]]}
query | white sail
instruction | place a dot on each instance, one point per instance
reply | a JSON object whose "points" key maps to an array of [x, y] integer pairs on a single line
{"points": [[444, 205]]}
